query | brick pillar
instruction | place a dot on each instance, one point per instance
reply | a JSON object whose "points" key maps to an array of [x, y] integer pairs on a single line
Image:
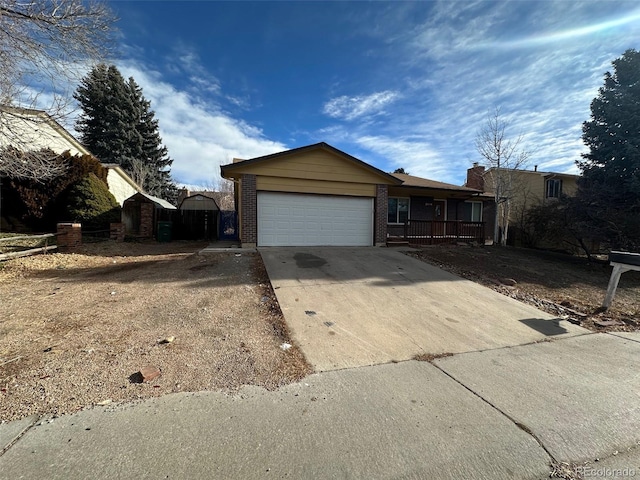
{"points": [[249, 211], [380, 219], [116, 231], [146, 220], [69, 237]]}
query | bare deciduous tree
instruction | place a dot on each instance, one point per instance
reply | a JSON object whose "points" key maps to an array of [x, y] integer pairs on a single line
{"points": [[30, 145], [45, 47], [503, 157]]}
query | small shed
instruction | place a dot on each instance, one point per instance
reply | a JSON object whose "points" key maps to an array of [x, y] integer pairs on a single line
{"points": [[142, 212], [198, 218]]}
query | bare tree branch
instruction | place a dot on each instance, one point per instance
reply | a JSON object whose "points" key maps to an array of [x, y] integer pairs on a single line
{"points": [[503, 157], [45, 47]]}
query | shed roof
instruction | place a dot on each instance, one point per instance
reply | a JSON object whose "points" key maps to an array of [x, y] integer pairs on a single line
{"points": [[159, 202]]}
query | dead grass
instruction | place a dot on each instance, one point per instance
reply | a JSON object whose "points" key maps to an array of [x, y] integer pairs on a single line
{"points": [[566, 286], [82, 324]]}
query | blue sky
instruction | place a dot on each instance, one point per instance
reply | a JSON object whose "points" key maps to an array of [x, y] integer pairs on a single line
{"points": [[397, 84]]}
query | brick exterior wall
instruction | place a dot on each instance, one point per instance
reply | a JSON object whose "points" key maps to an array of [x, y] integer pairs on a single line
{"points": [[380, 219], [249, 211], [69, 237], [116, 232], [146, 220]]}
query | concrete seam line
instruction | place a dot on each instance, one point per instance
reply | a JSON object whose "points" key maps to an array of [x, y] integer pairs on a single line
{"points": [[19, 436], [615, 334], [521, 426]]}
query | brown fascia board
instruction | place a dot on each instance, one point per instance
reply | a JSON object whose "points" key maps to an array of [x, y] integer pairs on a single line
{"points": [[226, 170]]}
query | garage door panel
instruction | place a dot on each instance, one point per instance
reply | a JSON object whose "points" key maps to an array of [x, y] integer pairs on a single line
{"points": [[308, 220]]}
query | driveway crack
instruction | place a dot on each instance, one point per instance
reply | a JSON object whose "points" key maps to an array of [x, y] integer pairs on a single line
{"points": [[520, 425]]}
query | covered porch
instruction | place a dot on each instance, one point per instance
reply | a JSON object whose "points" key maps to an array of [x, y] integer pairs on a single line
{"points": [[426, 212]]}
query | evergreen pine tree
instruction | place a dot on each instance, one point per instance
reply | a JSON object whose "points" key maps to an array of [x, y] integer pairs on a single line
{"points": [[118, 126], [609, 190]]}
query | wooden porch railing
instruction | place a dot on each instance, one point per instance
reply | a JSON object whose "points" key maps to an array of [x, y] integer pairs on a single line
{"points": [[431, 232]]}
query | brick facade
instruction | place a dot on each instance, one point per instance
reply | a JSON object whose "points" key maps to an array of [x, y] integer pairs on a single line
{"points": [[116, 232], [249, 211], [69, 237], [146, 220], [380, 219]]}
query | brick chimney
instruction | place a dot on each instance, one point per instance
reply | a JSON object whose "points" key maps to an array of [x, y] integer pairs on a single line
{"points": [[475, 177], [182, 194]]}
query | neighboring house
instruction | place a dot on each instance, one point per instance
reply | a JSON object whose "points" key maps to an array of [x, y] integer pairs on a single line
{"points": [[28, 129], [528, 188], [319, 195], [120, 184]]}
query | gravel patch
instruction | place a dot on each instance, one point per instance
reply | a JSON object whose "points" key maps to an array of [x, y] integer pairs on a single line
{"points": [[77, 328]]}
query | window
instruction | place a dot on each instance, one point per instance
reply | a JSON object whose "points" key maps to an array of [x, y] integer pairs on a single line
{"points": [[554, 188], [398, 210], [472, 211]]}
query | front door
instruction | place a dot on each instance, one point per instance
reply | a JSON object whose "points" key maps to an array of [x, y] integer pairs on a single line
{"points": [[439, 216]]}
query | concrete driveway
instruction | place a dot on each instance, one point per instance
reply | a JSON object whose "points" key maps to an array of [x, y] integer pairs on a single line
{"points": [[351, 307]]}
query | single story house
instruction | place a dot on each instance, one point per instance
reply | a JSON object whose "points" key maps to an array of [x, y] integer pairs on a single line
{"points": [[318, 195], [30, 130]]}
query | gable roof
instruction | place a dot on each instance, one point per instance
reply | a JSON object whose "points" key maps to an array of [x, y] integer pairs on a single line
{"points": [[118, 169], [227, 170], [201, 195], [39, 130], [419, 182]]}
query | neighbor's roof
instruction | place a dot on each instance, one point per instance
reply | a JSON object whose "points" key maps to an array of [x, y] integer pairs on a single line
{"points": [[26, 122], [539, 172], [225, 169], [419, 182]]}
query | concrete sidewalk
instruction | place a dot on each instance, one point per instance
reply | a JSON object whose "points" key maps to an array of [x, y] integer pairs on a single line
{"points": [[350, 307], [499, 414]]}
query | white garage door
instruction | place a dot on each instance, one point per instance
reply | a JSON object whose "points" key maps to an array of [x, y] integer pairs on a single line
{"points": [[288, 219]]}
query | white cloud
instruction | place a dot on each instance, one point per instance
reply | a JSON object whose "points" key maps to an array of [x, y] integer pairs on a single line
{"points": [[199, 135], [350, 108]]}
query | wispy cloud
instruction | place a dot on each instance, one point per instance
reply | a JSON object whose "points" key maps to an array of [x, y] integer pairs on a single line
{"points": [[350, 108], [198, 133]]}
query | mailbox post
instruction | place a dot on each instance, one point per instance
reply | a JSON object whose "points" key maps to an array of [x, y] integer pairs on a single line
{"points": [[621, 262]]}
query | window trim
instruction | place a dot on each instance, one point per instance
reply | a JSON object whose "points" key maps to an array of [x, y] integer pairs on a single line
{"points": [[408, 199], [477, 202], [556, 181]]}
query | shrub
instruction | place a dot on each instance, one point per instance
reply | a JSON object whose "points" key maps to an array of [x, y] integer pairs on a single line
{"points": [[91, 203]]}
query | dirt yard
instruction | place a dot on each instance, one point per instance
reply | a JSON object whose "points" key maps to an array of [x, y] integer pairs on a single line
{"points": [[76, 328], [562, 285]]}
